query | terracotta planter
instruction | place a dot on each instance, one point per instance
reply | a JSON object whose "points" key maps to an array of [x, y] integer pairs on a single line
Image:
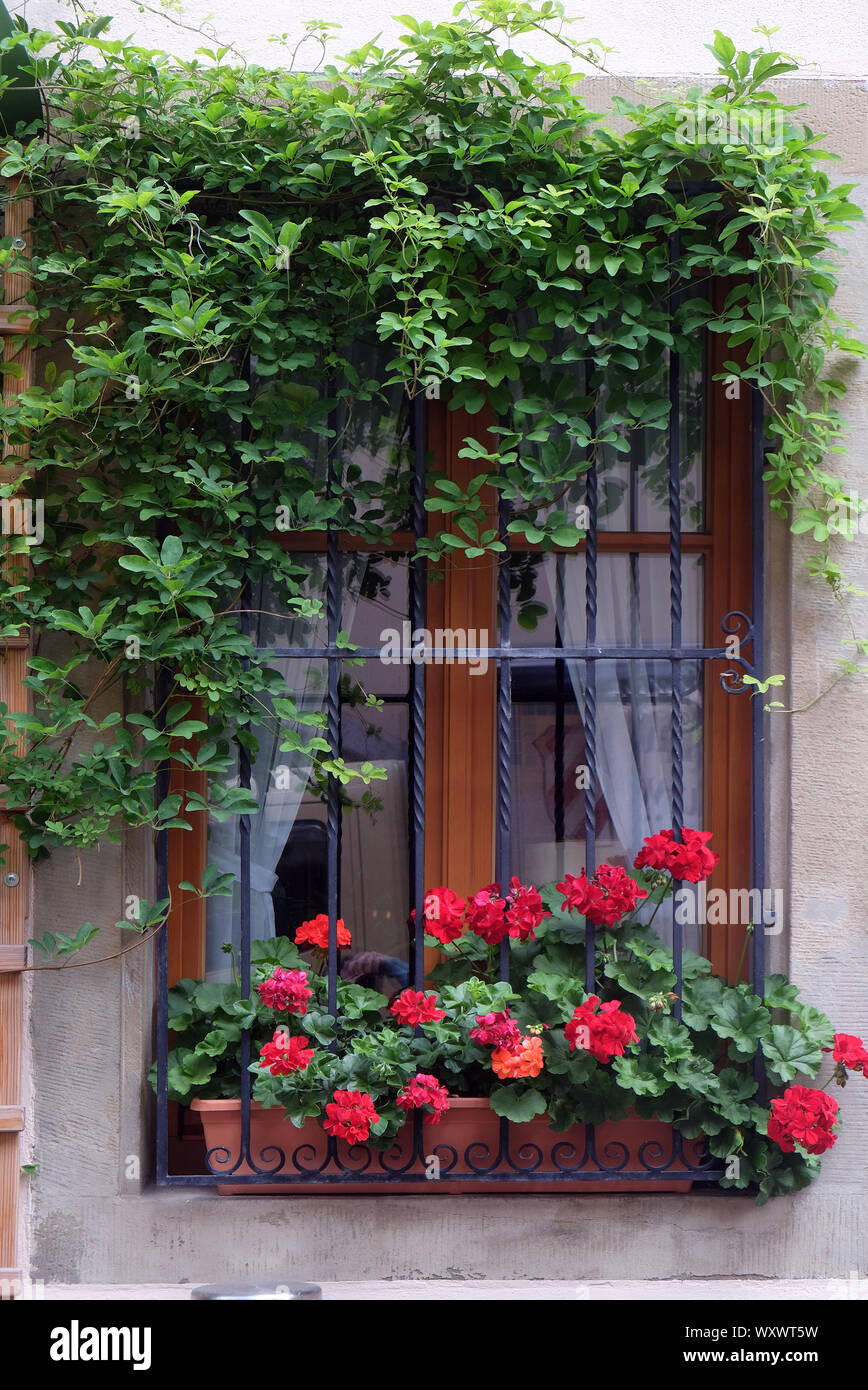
{"points": [[469, 1127]]}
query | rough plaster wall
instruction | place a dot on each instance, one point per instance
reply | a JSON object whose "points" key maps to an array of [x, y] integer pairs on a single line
{"points": [[829, 801], [92, 1112], [77, 1023]]}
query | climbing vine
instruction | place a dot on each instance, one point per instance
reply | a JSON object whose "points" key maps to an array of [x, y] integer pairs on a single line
{"points": [[237, 272]]}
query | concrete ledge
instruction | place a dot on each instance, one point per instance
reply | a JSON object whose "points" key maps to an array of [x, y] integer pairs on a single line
{"points": [[175, 1237]]}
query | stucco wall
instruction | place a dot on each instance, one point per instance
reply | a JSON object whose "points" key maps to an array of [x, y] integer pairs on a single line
{"points": [[89, 1108], [648, 37]]}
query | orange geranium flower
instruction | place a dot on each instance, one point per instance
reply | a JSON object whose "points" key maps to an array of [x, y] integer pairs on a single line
{"points": [[316, 933], [526, 1061]]}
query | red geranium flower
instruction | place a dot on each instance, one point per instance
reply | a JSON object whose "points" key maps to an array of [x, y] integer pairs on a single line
{"points": [[486, 914], [657, 851], [580, 894], [692, 860], [604, 899], [525, 910], [850, 1050], [285, 1054], [444, 914], [425, 1090], [285, 990], [497, 1030], [349, 1115], [415, 1006], [601, 1029], [803, 1116], [316, 933], [525, 1060]]}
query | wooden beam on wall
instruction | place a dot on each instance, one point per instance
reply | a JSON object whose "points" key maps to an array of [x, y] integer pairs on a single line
{"points": [[14, 898]]}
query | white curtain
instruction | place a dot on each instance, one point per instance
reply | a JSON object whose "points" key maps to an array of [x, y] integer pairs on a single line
{"points": [[632, 732]]}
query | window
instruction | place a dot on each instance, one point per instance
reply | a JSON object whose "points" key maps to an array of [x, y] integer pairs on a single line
{"points": [[599, 703]]}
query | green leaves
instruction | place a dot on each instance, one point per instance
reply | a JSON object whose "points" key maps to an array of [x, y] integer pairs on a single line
{"points": [[639, 978], [734, 1092], [517, 1103], [189, 1071], [694, 1075], [671, 1037], [789, 1052], [739, 1015], [214, 883], [779, 993], [641, 1075], [54, 944]]}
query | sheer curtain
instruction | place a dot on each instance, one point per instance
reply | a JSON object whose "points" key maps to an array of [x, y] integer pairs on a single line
{"points": [[632, 730]]}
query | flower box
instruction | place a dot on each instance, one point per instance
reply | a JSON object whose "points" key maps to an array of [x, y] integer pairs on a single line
{"points": [[466, 1142], [365, 1064]]}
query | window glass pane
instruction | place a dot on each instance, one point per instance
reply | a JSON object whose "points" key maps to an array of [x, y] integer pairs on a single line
{"points": [[288, 838], [375, 848], [276, 623], [633, 487], [633, 783], [633, 600], [376, 605], [633, 470], [372, 450], [375, 843], [361, 425]]}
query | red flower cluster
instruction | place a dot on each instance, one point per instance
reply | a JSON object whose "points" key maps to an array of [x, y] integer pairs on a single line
{"points": [[285, 990], [604, 899], [497, 1030], [525, 912], [517, 915], [444, 914], [415, 1006], [486, 914], [849, 1054], [692, 860], [316, 933], [284, 1054], [350, 1116], [803, 1116], [849, 1051], [524, 1060], [425, 1090], [601, 1029]]}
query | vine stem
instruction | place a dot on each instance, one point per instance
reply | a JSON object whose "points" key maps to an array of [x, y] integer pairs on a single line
{"points": [[116, 955], [747, 936]]}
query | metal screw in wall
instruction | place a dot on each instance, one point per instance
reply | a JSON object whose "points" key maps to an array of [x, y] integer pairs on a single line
{"points": [[11, 880]]}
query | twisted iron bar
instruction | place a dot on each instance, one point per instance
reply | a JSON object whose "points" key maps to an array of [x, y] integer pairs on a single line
{"points": [[589, 715], [504, 728], [333, 717], [418, 586]]}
